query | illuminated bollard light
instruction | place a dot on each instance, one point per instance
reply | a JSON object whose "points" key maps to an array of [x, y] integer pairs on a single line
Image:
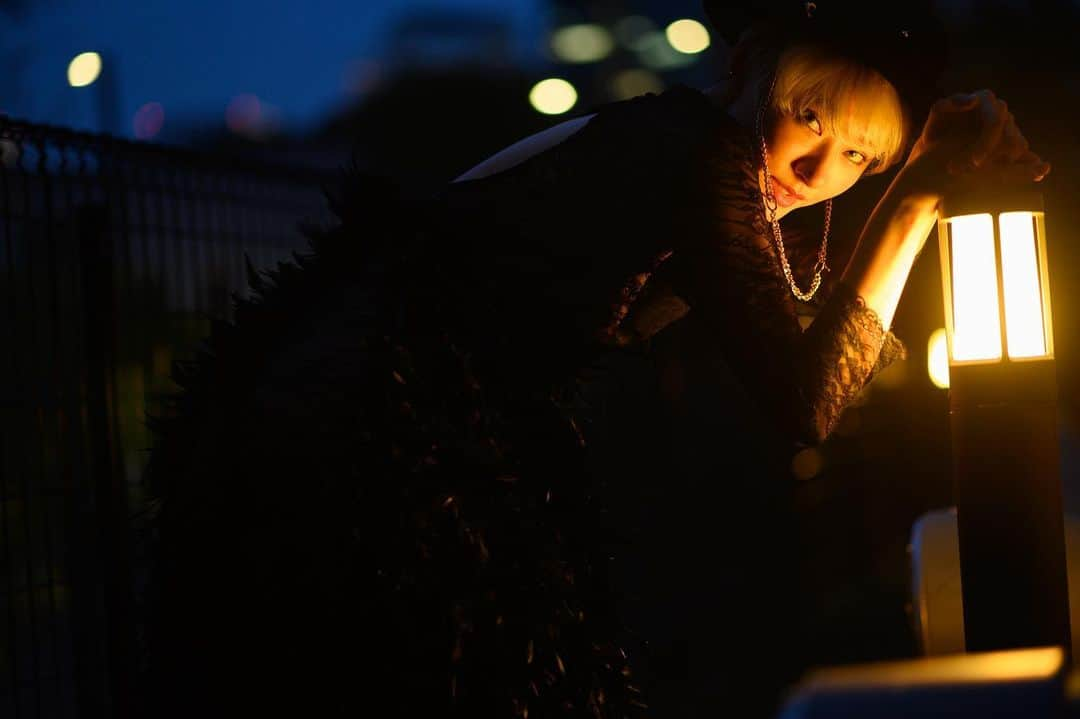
{"points": [[1004, 420]]}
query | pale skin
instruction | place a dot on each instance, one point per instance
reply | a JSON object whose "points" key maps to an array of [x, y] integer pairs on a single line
{"points": [[966, 138]]}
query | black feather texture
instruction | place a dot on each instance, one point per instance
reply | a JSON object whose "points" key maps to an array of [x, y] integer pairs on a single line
{"points": [[351, 518]]}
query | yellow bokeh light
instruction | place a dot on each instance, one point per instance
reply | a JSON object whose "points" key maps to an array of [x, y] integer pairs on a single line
{"points": [[687, 36], [84, 69], [937, 358], [634, 82], [807, 463], [582, 43], [553, 96]]}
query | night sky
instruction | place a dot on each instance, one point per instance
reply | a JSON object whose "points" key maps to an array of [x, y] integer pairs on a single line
{"points": [[302, 59]]}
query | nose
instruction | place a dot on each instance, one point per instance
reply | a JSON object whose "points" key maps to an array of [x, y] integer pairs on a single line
{"points": [[810, 169]]}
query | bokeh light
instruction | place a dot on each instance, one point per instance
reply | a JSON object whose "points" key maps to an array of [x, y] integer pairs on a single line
{"points": [[83, 69], [9, 153], [363, 77], [634, 82], [687, 36], [244, 114], [807, 463], [655, 52], [937, 358], [582, 43], [630, 30], [553, 96], [148, 121]]}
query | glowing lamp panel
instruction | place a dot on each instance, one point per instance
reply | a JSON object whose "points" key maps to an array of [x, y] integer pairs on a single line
{"points": [[1024, 321], [976, 322]]}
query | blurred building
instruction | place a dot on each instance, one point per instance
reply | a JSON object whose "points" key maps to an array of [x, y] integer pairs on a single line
{"points": [[447, 90], [14, 56], [453, 86], [444, 38]]}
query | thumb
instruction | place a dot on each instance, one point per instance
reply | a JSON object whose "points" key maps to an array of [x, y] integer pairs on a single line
{"points": [[964, 101]]}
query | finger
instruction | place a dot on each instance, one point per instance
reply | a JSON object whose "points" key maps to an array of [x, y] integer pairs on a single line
{"points": [[1016, 177], [1014, 146], [994, 118], [1021, 172], [1027, 159], [951, 105], [961, 102]]}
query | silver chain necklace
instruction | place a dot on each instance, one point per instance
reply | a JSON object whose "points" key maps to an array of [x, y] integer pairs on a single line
{"points": [[769, 200]]}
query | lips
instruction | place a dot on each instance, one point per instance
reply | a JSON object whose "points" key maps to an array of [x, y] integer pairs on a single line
{"points": [[785, 196]]}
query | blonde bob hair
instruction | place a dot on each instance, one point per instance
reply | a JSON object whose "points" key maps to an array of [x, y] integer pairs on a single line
{"points": [[851, 100]]}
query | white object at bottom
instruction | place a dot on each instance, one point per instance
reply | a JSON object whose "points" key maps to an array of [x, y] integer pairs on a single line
{"points": [[937, 608]]}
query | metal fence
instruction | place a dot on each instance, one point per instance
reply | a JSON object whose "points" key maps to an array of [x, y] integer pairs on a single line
{"points": [[114, 256]]}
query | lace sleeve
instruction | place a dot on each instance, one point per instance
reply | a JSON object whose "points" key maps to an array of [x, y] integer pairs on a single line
{"points": [[725, 267], [845, 353]]}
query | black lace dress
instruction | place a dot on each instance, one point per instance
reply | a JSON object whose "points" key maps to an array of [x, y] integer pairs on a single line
{"points": [[431, 469]]}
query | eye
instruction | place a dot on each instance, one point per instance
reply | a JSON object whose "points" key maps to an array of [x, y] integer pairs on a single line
{"points": [[855, 156], [810, 119]]}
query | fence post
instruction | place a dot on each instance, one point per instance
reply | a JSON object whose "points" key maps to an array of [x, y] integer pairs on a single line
{"points": [[110, 491]]}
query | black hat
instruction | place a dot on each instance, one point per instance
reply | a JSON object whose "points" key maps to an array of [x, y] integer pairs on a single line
{"points": [[904, 41]]}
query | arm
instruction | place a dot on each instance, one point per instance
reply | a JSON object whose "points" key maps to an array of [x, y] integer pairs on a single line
{"points": [[967, 138], [890, 241], [804, 379]]}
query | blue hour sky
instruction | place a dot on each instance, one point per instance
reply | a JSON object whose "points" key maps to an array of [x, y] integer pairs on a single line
{"points": [[193, 57]]}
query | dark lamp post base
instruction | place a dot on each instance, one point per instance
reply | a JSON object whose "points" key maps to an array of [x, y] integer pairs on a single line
{"points": [[1007, 483]]}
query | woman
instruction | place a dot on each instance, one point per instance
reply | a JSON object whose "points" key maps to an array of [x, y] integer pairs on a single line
{"points": [[426, 470]]}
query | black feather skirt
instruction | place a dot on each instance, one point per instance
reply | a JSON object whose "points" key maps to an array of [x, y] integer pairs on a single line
{"points": [[356, 518]]}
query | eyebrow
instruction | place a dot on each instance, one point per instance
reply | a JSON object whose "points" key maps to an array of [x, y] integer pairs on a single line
{"points": [[814, 104], [853, 142]]}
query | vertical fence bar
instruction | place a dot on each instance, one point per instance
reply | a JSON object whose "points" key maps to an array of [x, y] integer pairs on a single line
{"points": [[29, 689], [68, 590], [70, 448], [52, 418], [8, 451], [110, 492]]}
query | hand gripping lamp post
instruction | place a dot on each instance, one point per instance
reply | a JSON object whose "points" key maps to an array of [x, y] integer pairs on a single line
{"points": [[1003, 416]]}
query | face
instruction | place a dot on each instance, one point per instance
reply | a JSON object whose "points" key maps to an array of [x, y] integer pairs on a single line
{"points": [[808, 164]]}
